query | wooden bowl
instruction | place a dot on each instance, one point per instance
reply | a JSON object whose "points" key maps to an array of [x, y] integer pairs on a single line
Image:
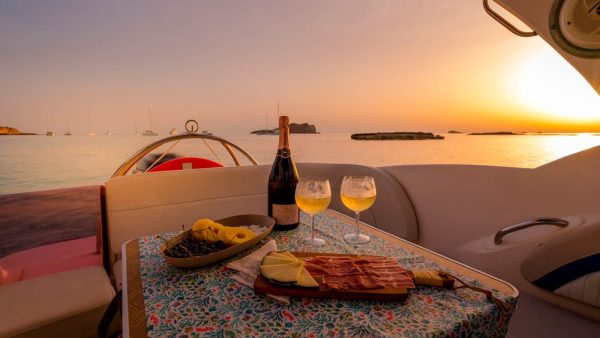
{"points": [[239, 220]]}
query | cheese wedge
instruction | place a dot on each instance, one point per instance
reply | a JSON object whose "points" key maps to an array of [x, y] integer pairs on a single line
{"points": [[282, 255], [306, 280], [288, 275], [270, 260], [286, 253], [283, 273], [284, 267]]}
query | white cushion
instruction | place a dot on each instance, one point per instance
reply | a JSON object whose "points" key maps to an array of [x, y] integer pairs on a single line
{"points": [[153, 203], [585, 289], [67, 304]]}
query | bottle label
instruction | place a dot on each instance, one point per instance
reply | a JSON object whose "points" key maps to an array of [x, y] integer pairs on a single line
{"points": [[285, 214]]}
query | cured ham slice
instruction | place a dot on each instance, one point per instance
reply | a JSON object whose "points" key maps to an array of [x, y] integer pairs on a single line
{"points": [[357, 282], [360, 272]]}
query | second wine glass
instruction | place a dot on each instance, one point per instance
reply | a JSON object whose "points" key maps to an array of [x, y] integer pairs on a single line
{"points": [[358, 194], [313, 195]]}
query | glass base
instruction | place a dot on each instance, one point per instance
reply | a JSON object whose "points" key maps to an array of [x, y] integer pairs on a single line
{"points": [[355, 238], [312, 241]]}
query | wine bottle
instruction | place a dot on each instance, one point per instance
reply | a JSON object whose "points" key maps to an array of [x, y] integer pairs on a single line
{"points": [[282, 182]]}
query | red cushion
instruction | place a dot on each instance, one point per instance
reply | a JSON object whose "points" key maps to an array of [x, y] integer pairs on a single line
{"points": [[178, 164]]}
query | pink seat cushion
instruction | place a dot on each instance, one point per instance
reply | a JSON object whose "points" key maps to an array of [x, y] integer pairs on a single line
{"points": [[49, 259]]}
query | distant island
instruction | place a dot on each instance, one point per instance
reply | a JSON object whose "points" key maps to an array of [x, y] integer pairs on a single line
{"points": [[455, 132], [295, 128], [12, 131], [399, 135], [265, 132], [498, 133]]}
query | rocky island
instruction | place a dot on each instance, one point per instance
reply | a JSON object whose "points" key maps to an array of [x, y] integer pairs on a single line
{"points": [[397, 136], [304, 128], [497, 133], [12, 131], [295, 128], [454, 132]]}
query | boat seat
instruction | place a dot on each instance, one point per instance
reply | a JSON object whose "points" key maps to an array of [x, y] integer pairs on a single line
{"points": [[49, 259], [392, 212], [460, 209], [52, 275], [159, 202], [585, 289], [152, 203], [66, 304], [569, 266]]}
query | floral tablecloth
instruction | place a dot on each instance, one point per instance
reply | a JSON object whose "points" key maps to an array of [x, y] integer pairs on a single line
{"points": [[206, 302]]}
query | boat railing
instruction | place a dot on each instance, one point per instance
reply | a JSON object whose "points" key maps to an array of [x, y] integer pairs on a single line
{"points": [[192, 128]]}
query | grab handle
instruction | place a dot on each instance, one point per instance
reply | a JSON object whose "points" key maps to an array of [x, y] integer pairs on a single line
{"points": [[505, 23], [528, 224]]}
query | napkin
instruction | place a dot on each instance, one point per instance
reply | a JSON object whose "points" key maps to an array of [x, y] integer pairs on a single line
{"points": [[248, 268]]}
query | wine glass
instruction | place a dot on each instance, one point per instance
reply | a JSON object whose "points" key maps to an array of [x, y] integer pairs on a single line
{"points": [[313, 196], [358, 194]]}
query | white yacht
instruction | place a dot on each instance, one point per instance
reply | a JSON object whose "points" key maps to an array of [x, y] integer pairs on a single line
{"points": [[538, 229]]}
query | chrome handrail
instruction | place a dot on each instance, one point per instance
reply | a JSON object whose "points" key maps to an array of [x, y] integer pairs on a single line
{"points": [[512, 28], [135, 158], [527, 224]]}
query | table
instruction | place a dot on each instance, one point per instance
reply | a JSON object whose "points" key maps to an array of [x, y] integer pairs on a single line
{"points": [[162, 300]]}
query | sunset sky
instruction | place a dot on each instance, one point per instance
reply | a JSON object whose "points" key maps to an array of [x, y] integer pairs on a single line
{"points": [[418, 65]]}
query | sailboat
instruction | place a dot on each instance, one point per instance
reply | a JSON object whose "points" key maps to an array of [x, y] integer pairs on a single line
{"points": [[68, 131], [91, 131], [267, 130], [150, 132]]}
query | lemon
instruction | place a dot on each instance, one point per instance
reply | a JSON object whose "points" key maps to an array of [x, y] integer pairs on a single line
{"points": [[206, 229], [235, 235]]}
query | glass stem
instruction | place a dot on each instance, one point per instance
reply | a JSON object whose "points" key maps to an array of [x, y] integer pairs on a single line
{"points": [[357, 228], [312, 227]]}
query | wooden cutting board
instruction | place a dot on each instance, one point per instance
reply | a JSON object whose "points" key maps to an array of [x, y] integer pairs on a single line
{"points": [[263, 286]]}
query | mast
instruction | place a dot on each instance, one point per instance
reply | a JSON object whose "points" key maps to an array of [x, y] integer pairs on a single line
{"points": [[150, 119], [267, 120]]}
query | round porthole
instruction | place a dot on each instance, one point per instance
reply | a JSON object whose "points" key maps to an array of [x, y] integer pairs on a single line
{"points": [[575, 26]]}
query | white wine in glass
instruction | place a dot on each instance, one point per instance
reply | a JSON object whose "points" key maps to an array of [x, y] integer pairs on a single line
{"points": [[313, 196], [358, 194]]}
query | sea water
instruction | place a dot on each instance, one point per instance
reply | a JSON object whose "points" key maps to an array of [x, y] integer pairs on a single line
{"points": [[32, 163]]}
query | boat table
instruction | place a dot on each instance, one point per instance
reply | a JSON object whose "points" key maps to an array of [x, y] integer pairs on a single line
{"points": [[160, 300]]}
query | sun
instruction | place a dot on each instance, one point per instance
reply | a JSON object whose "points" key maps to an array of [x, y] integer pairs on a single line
{"points": [[547, 84]]}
